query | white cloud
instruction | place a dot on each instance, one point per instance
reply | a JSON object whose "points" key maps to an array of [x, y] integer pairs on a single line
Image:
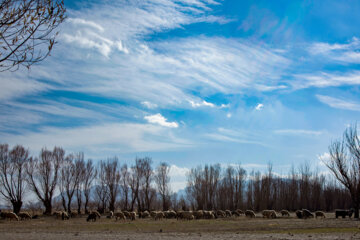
{"points": [[339, 103], [300, 132], [259, 107], [149, 104], [176, 171], [201, 104], [162, 121], [228, 115]]}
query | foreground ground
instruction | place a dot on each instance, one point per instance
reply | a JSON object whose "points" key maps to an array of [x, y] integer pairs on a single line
{"points": [[230, 228]]}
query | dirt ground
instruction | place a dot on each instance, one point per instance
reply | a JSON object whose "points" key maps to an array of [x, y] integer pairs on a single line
{"points": [[229, 228]]}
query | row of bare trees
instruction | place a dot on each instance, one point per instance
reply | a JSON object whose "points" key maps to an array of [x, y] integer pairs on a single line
{"points": [[74, 179], [211, 187], [110, 185]]}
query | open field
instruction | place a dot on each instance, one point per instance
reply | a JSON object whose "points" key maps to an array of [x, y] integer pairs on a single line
{"points": [[228, 228]]}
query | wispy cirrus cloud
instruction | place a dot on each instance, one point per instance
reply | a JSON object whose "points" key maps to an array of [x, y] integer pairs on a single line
{"points": [[298, 132], [326, 79], [339, 103], [115, 138], [343, 53]]}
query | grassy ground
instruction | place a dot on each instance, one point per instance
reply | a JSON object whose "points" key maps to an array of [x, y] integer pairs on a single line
{"points": [[51, 228]]}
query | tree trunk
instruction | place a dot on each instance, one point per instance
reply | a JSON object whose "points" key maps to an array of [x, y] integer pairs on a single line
{"points": [[79, 201], [16, 206], [356, 213], [48, 207], [86, 205]]}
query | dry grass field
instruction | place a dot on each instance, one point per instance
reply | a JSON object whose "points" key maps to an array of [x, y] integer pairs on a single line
{"points": [[228, 228]]}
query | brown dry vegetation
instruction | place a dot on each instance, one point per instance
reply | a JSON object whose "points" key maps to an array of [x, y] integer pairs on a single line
{"points": [[226, 228]]}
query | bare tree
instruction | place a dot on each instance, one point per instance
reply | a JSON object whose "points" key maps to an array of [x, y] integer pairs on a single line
{"points": [[90, 174], [125, 178], [101, 190], [162, 180], [112, 180], [27, 31], [344, 163], [71, 171], [12, 174], [43, 175], [147, 189], [80, 187]]}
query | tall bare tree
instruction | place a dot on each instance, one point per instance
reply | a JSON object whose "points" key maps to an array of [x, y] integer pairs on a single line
{"points": [[27, 31], [147, 189], [162, 180], [101, 189], [43, 174], [71, 171], [344, 163], [90, 174], [125, 179], [80, 187], [112, 179], [12, 174]]}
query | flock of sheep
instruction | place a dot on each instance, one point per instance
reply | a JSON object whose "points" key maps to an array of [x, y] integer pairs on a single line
{"points": [[185, 215]]}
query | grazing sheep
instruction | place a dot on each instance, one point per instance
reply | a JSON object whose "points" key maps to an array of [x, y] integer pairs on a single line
{"points": [[57, 214], [159, 215], [228, 213], [307, 214], [127, 214], [299, 213], [343, 213], [170, 214], [269, 214], [119, 215], [319, 214], [285, 213], [24, 215], [132, 216], [111, 215], [11, 216], [198, 214], [249, 213], [97, 213], [220, 213], [73, 214], [153, 214], [238, 212], [144, 214], [209, 215], [187, 215], [92, 216]]}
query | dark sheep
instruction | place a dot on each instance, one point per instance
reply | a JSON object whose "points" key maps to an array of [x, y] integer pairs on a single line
{"points": [[299, 213], [92, 216], [285, 213], [249, 213], [307, 214], [343, 213], [319, 214]]}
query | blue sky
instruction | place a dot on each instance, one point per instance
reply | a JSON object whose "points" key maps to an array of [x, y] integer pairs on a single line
{"points": [[192, 82]]}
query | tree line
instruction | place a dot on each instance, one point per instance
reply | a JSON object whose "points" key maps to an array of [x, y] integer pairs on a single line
{"points": [[109, 185]]}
